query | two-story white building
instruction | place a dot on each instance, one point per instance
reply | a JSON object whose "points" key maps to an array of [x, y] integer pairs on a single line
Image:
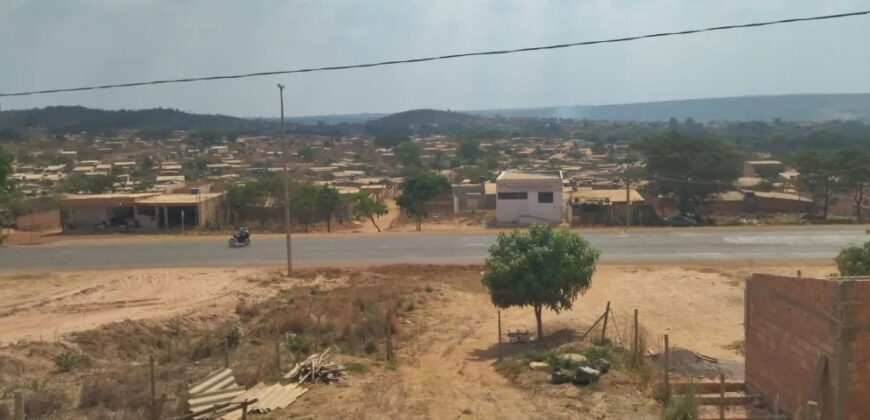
{"points": [[526, 198]]}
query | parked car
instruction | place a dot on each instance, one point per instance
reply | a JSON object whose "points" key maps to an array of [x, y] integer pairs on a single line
{"points": [[678, 220]]}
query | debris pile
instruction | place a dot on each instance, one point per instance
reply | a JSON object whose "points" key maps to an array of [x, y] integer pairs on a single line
{"points": [[219, 397], [317, 368], [583, 375]]}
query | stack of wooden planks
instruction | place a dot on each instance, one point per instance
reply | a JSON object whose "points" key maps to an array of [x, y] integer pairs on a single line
{"points": [[317, 368]]}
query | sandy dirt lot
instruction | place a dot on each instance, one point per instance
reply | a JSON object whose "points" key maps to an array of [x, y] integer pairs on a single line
{"points": [[447, 345]]}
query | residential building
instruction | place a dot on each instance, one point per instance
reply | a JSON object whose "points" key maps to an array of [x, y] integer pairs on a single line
{"points": [[525, 198]]}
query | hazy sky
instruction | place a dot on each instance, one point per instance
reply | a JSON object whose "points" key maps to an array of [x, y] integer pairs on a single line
{"points": [[66, 43]]}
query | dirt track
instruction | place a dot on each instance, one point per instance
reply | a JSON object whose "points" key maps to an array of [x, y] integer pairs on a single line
{"points": [[446, 348]]}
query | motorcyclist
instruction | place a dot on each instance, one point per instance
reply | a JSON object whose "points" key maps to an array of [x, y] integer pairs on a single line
{"points": [[243, 234]]}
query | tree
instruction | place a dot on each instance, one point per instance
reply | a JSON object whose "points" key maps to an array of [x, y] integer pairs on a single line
{"points": [[327, 201], [5, 170], [855, 178], [366, 206], [815, 168], [543, 268], [418, 189], [469, 149], [90, 184], [688, 170], [390, 142], [306, 153], [304, 204], [408, 154], [854, 260]]}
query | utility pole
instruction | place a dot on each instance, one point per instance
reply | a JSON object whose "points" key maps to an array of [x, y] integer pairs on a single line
{"points": [[285, 155]]}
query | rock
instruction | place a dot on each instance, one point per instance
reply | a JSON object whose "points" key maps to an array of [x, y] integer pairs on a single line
{"points": [[574, 357], [602, 365], [467, 412], [539, 366]]}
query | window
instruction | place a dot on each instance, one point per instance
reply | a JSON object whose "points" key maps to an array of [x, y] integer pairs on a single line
{"points": [[513, 196], [545, 197]]}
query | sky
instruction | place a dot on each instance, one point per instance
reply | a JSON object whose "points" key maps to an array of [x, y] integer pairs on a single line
{"points": [[48, 44]]}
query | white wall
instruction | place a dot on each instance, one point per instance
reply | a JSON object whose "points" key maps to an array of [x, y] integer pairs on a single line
{"points": [[529, 210]]}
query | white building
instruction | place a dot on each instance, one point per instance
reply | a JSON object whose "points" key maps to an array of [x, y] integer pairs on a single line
{"points": [[525, 198]]}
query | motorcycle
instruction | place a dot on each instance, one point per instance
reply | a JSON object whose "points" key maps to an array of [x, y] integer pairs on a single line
{"points": [[240, 238]]}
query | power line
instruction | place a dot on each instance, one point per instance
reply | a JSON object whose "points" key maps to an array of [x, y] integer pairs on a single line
{"points": [[444, 57]]}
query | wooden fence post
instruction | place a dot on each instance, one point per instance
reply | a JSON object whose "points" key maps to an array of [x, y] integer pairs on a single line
{"points": [[278, 355], [635, 343], [812, 410], [721, 396], [667, 378], [499, 334], [606, 315], [153, 388], [226, 352], [244, 410], [390, 334], [19, 405]]}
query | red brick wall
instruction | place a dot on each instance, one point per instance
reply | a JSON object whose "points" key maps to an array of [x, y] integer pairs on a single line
{"points": [[46, 220], [790, 322]]}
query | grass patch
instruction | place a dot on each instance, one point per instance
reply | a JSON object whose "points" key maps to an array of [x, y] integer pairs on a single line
{"points": [[682, 407], [356, 367], [594, 353]]}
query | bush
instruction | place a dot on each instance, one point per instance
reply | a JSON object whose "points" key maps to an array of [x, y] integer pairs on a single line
{"points": [[247, 310], [854, 261], [131, 393], [682, 407], [66, 361], [39, 404], [594, 353], [298, 344], [233, 336], [356, 367]]}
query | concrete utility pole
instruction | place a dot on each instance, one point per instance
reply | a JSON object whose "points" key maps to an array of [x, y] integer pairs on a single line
{"points": [[285, 155]]}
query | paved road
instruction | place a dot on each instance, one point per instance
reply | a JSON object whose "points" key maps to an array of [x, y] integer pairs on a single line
{"points": [[644, 246]]}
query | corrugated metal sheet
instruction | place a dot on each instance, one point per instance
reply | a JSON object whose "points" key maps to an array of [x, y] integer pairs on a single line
{"points": [[217, 388], [269, 398], [220, 387]]}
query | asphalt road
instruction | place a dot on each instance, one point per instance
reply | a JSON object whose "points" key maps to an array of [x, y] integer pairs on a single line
{"points": [[809, 243]]}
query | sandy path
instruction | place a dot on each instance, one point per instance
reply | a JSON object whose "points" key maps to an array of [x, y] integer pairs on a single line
{"points": [[43, 306]]}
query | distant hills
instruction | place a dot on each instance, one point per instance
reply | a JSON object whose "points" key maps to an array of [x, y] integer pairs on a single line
{"points": [[72, 118], [809, 107]]}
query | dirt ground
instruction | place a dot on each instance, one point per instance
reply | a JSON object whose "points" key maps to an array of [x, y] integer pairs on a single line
{"points": [[446, 344]]}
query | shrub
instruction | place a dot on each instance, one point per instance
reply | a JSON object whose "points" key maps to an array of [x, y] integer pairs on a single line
{"points": [[40, 404], [594, 353], [356, 367], [66, 361], [298, 344], [130, 393], [247, 310], [682, 407], [233, 336]]}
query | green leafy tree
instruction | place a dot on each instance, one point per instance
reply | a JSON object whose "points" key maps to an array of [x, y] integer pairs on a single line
{"points": [[544, 268], [5, 171], [306, 153], [390, 142], [409, 155], [328, 200], [469, 149], [89, 184], [854, 260], [366, 206], [304, 205], [815, 167], [855, 176], [417, 190], [688, 170]]}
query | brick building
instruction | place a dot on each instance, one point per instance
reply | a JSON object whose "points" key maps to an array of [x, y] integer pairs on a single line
{"points": [[809, 339]]}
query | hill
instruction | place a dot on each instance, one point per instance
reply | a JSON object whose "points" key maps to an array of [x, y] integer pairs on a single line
{"points": [[422, 121], [802, 107], [77, 118]]}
